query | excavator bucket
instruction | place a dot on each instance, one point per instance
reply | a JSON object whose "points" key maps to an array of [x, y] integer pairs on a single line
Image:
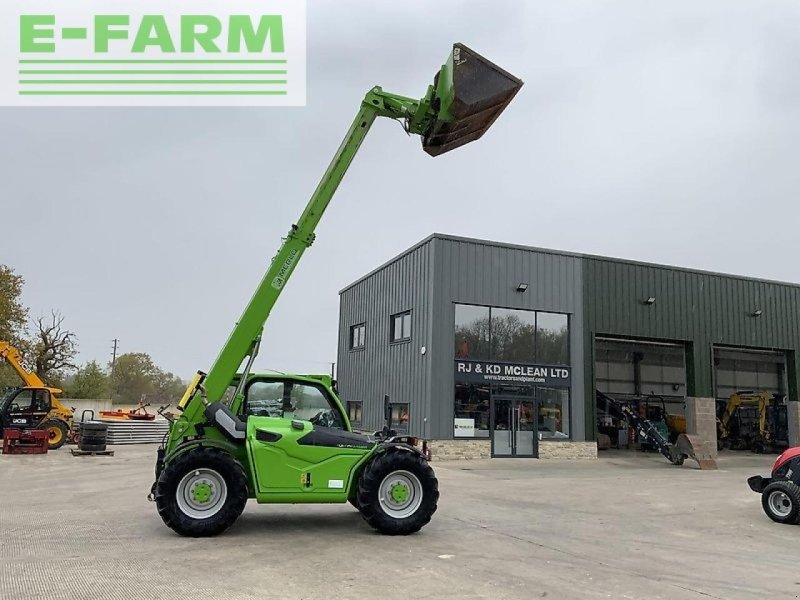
{"points": [[691, 446], [469, 94]]}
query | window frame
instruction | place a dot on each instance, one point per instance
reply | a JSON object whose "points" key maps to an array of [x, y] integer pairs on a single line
{"points": [[363, 337], [402, 429], [332, 402], [353, 422], [393, 339], [569, 317]]}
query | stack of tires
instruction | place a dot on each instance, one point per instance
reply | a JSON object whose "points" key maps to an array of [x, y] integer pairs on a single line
{"points": [[93, 436]]}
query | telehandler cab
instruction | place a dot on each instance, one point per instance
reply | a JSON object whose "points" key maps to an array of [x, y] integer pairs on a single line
{"points": [[286, 438]]}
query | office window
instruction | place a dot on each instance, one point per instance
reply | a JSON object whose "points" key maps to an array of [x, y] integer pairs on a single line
{"points": [[513, 335], [358, 336], [401, 326], [552, 338], [472, 332], [400, 417], [354, 408]]}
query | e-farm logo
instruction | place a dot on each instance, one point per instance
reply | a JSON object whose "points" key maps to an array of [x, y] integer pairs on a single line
{"points": [[148, 52]]}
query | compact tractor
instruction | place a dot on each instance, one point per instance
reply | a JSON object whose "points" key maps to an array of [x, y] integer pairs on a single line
{"points": [[286, 438], [780, 493]]}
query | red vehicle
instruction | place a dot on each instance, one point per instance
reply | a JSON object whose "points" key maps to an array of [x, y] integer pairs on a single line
{"points": [[780, 494]]}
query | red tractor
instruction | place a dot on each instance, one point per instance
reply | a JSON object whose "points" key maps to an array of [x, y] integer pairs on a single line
{"points": [[780, 494]]}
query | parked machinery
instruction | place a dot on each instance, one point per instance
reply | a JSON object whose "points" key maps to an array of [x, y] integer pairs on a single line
{"points": [[686, 446], [34, 406], [756, 421], [286, 438], [780, 492]]}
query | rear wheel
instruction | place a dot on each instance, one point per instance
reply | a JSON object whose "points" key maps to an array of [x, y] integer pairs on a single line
{"points": [[201, 493], [56, 433], [398, 492], [781, 502]]}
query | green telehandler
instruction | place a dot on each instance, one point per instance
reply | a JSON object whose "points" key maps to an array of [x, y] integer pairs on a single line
{"points": [[286, 438]]}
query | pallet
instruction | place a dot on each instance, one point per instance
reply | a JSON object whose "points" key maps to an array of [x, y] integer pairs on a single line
{"points": [[76, 452]]}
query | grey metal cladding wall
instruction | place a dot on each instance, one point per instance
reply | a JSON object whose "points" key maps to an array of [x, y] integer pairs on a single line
{"points": [[697, 307], [478, 272], [399, 370]]}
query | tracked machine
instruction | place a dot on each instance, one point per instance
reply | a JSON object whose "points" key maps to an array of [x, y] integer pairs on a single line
{"points": [[286, 438]]}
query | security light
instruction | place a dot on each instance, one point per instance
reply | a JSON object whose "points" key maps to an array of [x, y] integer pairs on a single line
{"points": [[521, 287], [650, 300], [757, 312]]}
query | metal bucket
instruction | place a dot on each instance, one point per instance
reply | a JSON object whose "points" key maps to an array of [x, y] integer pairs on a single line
{"points": [[470, 92]]}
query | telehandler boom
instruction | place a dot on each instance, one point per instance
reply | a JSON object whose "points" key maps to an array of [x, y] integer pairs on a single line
{"points": [[282, 438]]}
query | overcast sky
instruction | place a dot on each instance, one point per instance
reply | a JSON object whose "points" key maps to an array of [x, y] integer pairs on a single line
{"points": [[656, 131]]}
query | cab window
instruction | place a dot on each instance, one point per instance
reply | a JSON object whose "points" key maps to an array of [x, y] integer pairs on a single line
{"points": [[292, 400]]}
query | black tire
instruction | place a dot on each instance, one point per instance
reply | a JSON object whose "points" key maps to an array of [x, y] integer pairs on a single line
{"points": [[781, 502], [58, 432], [227, 509], [92, 447], [369, 491], [93, 427]]}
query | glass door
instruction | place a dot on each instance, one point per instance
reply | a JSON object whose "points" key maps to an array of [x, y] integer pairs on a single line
{"points": [[513, 426]]}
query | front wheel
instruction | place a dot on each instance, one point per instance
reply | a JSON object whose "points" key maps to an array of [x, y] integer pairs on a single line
{"points": [[57, 432], [201, 493], [398, 492], [781, 502]]}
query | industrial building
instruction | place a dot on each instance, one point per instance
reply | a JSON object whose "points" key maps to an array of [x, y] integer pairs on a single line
{"points": [[495, 349]]}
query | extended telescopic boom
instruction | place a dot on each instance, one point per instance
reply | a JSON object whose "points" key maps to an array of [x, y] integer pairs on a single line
{"points": [[467, 95]]}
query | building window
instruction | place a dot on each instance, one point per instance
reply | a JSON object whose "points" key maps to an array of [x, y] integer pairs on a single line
{"points": [[471, 411], [472, 332], [552, 338], [401, 326], [400, 416], [354, 413], [358, 336], [552, 406], [513, 335]]}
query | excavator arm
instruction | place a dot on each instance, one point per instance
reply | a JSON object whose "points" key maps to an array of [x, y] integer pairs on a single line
{"points": [[467, 95]]}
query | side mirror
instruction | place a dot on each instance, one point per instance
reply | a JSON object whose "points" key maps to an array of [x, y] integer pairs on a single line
{"points": [[387, 411]]}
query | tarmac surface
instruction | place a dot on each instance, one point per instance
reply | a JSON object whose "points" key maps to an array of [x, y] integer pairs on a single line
{"points": [[628, 525]]}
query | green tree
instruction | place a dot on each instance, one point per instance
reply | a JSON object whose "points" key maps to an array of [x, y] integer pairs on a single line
{"points": [[136, 378], [89, 382], [13, 318]]}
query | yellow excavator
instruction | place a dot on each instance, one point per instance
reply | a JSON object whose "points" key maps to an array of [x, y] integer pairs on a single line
{"points": [[761, 434], [35, 405]]}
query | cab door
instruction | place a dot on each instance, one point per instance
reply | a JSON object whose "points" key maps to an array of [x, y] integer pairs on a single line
{"points": [[298, 448], [26, 409]]}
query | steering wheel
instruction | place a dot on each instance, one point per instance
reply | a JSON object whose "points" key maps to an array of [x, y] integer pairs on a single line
{"points": [[14, 408], [323, 418]]}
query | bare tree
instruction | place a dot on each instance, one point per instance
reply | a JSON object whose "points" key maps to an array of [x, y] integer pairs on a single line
{"points": [[54, 347]]}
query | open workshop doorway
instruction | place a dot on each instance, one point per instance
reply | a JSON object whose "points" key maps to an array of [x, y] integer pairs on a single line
{"points": [[649, 377], [750, 392]]}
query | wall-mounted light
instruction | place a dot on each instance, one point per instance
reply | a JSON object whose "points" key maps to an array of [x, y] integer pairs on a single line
{"points": [[521, 287], [650, 300], [757, 313]]}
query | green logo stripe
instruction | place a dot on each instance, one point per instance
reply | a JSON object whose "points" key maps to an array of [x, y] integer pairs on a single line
{"points": [[154, 81], [165, 61], [152, 93], [147, 72]]}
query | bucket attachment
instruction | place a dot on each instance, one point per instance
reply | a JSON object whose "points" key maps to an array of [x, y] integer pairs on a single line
{"points": [[469, 94], [691, 446]]}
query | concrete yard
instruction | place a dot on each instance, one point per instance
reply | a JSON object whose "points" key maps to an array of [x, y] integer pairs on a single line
{"points": [[625, 526]]}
